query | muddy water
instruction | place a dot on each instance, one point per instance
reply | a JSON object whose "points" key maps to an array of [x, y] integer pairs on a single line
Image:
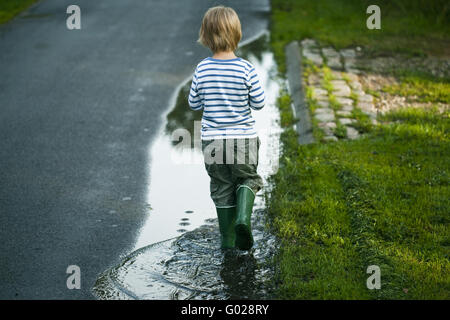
{"points": [[177, 253]]}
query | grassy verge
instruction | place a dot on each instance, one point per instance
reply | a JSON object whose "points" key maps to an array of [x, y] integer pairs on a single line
{"points": [[415, 27], [380, 200], [10, 8]]}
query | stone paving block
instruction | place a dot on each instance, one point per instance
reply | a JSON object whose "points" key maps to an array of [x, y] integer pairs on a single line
{"points": [[347, 108], [331, 125], [344, 101], [338, 83], [308, 43], [333, 58], [330, 138], [342, 91], [321, 97], [324, 117], [314, 56], [348, 53], [323, 103], [319, 92], [353, 77], [365, 98], [344, 113], [330, 52], [313, 79], [353, 70], [317, 60], [371, 114], [366, 106], [352, 133], [323, 110], [346, 121], [356, 85], [337, 75], [327, 127], [334, 63], [311, 51], [349, 63]]}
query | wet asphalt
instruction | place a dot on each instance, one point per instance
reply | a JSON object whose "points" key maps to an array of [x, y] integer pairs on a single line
{"points": [[78, 112]]}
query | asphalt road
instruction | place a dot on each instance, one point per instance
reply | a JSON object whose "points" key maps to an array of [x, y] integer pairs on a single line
{"points": [[78, 110]]}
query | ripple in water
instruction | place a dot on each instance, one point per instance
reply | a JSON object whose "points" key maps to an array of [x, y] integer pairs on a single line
{"points": [[192, 267]]}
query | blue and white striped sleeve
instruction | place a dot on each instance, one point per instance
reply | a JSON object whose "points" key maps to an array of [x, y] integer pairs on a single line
{"points": [[195, 101], [256, 96]]}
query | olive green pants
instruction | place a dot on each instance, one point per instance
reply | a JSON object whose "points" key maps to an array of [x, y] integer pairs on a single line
{"points": [[231, 163]]}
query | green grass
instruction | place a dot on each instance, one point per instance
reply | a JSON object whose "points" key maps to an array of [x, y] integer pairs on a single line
{"points": [[415, 27], [286, 115], [382, 199], [363, 123], [421, 87], [340, 131], [10, 8]]}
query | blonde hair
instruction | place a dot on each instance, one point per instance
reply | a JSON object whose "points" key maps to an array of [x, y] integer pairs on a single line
{"points": [[220, 30]]}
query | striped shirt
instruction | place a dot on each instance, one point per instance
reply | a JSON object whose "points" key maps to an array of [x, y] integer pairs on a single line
{"points": [[226, 90]]}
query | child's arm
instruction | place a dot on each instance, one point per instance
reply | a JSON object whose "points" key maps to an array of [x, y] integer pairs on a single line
{"points": [[195, 101], [256, 96]]}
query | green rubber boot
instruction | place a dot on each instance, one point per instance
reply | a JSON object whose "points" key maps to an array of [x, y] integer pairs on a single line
{"points": [[244, 208], [227, 219]]}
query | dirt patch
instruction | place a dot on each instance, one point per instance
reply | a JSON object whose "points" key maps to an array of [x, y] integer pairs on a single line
{"points": [[376, 76]]}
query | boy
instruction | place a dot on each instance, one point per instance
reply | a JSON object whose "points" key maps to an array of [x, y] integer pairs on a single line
{"points": [[226, 88]]}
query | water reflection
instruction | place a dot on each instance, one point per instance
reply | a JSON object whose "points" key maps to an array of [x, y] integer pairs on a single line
{"points": [[167, 265], [192, 267]]}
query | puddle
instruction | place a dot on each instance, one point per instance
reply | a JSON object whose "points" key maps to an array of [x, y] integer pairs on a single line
{"points": [[177, 252]]}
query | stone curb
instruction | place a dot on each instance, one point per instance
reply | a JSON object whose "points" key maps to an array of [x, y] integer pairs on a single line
{"points": [[301, 110]]}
